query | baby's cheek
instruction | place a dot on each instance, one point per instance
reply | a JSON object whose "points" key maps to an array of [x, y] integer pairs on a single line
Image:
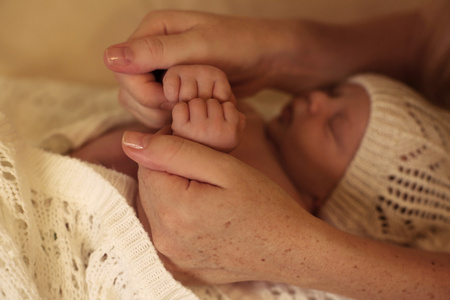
{"points": [[86, 154]]}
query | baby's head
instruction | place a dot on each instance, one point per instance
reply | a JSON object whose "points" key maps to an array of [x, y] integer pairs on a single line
{"points": [[397, 186], [372, 153], [317, 135]]}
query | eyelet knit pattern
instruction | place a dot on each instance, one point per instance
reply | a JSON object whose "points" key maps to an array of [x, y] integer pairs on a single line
{"points": [[397, 188]]}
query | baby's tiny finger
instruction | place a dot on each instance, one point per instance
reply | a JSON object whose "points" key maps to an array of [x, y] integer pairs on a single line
{"points": [[180, 114], [197, 110], [188, 89], [171, 86], [215, 110], [231, 114]]}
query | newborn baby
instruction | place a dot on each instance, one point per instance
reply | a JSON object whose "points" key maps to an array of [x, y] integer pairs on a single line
{"points": [[359, 155], [305, 150]]}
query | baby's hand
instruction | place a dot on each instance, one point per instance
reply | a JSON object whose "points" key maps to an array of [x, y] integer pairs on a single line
{"points": [[212, 123], [186, 82]]}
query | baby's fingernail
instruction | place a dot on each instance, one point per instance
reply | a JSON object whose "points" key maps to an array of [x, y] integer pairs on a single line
{"points": [[119, 56], [134, 140]]}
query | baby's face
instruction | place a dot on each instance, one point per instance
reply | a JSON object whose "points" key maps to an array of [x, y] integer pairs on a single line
{"points": [[318, 134]]}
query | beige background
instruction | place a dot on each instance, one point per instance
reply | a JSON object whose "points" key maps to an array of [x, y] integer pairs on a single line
{"points": [[65, 39]]}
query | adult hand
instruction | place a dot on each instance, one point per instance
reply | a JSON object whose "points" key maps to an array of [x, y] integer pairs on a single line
{"points": [[216, 220], [254, 53], [213, 217], [242, 47]]}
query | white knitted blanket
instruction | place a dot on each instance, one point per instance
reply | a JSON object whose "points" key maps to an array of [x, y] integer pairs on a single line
{"points": [[66, 228]]}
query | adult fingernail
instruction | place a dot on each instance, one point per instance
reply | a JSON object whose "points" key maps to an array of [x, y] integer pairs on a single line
{"points": [[134, 140], [119, 56]]}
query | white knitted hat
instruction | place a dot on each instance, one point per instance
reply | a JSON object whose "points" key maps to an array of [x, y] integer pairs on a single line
{"points": [[397, 188]]}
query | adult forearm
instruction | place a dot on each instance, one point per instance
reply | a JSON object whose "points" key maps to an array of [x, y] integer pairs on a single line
{"points": [[366, 269], [326, 53], [373, 270]]}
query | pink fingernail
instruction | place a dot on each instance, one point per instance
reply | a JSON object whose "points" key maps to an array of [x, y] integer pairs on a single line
{"points": [[134, 140], [119, 56]]}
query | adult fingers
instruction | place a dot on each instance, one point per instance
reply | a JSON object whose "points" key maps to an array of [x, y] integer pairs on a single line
{"points": [[156, 42], [166, 22], [142, 55], [178, 156], [151, 117], [142, 88]]}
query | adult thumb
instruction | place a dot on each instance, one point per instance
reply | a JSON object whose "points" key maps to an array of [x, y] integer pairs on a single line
{"points": [[149, 53], [179, 156], [131, 57]]}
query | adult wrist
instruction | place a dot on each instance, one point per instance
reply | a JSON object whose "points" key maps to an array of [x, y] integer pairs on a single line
{"points": [[307, 56], [301, 253]]}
